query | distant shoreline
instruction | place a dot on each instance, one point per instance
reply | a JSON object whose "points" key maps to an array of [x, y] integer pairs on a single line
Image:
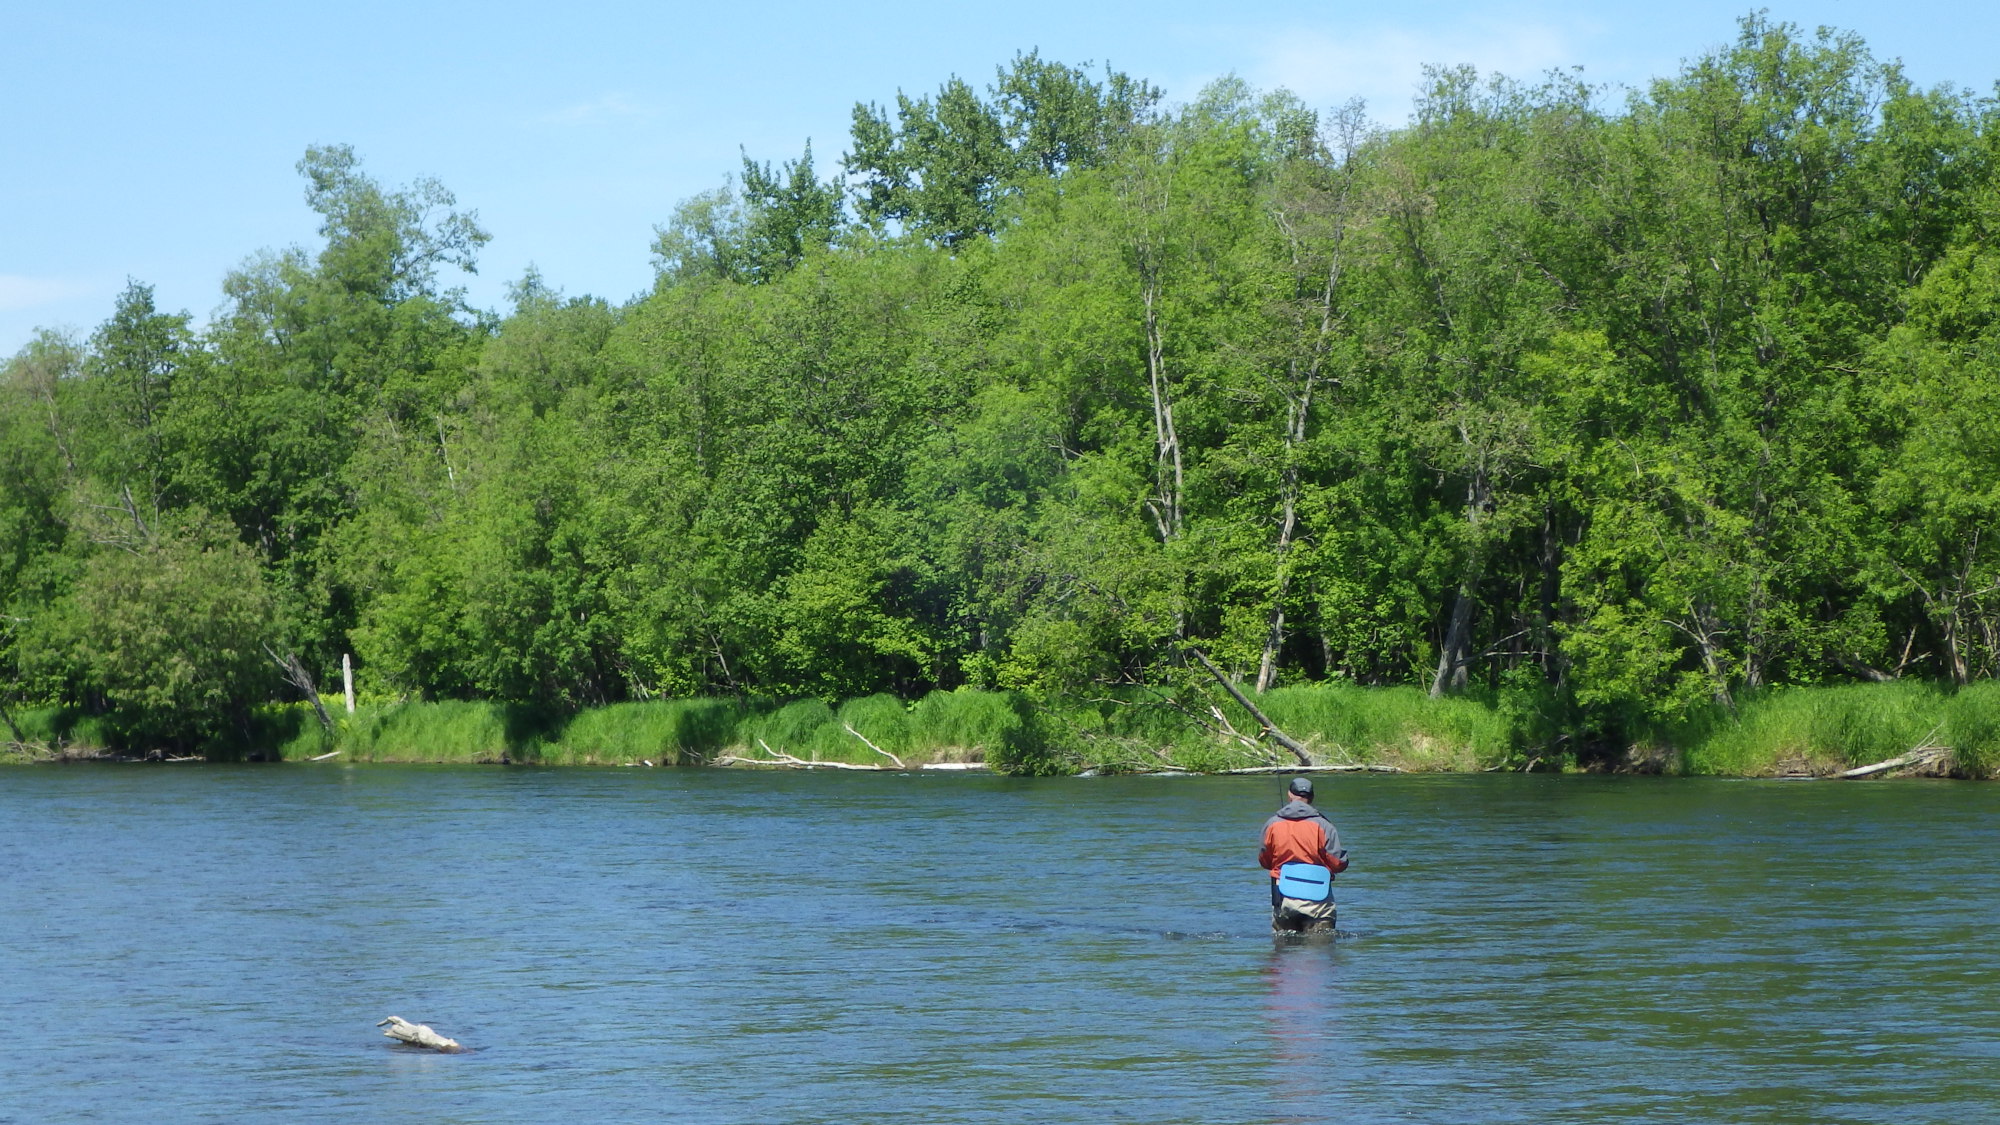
{"points": [[1906, 728]]}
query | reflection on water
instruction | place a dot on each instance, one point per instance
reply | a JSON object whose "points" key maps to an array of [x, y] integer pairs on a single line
{"points": [[1302, 1016], [217, 943]]}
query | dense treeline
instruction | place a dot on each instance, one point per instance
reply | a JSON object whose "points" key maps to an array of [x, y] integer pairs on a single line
{"points": [[1634, 409]]}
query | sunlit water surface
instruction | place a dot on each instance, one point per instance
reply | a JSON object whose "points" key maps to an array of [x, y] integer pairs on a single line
{"points": [[215, 943]]}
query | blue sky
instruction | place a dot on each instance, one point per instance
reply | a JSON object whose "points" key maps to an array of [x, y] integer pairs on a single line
{"points": [[157, 141]]}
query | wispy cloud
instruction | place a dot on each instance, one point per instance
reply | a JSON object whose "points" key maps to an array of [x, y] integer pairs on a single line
{"points": [[1384, 64], [610, 107], [19, 292]]}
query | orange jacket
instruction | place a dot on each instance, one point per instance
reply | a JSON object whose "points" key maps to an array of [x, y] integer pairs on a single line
{"points": [[1299, 834]]}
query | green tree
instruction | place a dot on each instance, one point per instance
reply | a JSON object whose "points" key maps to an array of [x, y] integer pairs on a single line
{"points": [[33, 486], [316, 355], [944, 166], [1762, 234], [167, 639]]}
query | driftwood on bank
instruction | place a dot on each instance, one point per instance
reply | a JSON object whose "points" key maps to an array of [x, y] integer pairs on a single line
{"points": [[780, 760], [791, 763], [418, 1035], [1345, 768], [872, 746], [1925, 753]]}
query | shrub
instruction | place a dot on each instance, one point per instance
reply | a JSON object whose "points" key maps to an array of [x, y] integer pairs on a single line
{"points": [[1397, 725], [169, 636]]}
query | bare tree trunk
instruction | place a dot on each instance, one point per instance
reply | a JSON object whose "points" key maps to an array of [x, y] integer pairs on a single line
{"points": [[1991, 636], [1707, 627], [1455, 654], [1959, 597], [1948, 606], [1954, 647], [1169, 477], [1274, 632], [1298, 409], [1753, 636], [444, 453], [43, 380], [1454, 657], [1274, 639]]}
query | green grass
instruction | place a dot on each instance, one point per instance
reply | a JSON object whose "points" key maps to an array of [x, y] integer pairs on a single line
{"points": [[801, 729], [1339, 723], [1816, 730], [1972, 728], [882, 719], [449, 731], [52, 731], [998, 727], [1400, 726], [664, 732], [1820, 729]]}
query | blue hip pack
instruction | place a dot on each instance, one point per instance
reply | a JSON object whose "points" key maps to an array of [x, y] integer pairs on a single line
{"points": [[1308, 881]]}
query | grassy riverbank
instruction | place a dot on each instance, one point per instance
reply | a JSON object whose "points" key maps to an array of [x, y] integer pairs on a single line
{"points": [[1786, 732]]}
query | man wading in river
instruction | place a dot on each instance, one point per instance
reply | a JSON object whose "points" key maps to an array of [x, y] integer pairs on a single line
{"points": [[1302, 852]]}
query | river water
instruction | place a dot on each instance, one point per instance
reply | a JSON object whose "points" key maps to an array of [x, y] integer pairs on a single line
{"points": [[215, 943]]}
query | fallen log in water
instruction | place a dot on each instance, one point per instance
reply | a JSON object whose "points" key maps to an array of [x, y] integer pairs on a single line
{"points": [[418, 1035]]}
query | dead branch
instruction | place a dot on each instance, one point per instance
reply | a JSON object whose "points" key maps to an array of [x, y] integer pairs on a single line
{"points": [[296, 675], [1853, 663], [1223, 724], [1270, 729], [872, 746], [418, 1035]]}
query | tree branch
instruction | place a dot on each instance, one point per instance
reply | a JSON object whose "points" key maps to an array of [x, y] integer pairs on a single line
{"points": [[1270, 729]]}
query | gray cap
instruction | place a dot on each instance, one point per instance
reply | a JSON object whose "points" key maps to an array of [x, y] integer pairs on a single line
{"points": [[1302, 786]]}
